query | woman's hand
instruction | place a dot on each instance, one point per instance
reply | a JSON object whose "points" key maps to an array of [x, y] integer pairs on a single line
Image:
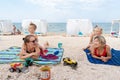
{"points": [[104, 59], [34, 55]]}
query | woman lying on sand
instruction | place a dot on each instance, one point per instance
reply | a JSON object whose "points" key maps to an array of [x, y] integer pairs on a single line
{"points": [[30, 48], [100, 50]]}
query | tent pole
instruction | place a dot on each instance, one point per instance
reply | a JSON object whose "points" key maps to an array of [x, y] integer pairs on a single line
{"points": [[112, 27], [119, 30]]}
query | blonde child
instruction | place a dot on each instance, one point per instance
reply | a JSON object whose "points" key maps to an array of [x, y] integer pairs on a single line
{"points": [[97, 31], [100, 50]]}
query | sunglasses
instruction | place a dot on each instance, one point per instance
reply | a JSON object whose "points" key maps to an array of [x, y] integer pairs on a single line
{"points": [[33, 41]]}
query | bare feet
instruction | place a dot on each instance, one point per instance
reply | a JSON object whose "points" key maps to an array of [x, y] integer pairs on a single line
{"points": [[46, 45]]}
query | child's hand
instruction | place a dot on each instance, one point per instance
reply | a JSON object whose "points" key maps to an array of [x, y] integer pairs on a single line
{"points": [[32, 54], [46, 44], [92, 34]]}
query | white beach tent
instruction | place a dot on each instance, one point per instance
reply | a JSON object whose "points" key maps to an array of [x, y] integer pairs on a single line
{"points": [[41, 25], [115, 33], [79, 26], [6, 26]]}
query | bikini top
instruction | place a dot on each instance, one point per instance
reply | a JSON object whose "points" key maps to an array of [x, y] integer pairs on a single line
{"points": [[30, 51], [99, 55]]}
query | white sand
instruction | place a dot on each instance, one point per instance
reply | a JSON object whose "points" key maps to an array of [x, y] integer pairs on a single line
{"points": [[73, 49]]}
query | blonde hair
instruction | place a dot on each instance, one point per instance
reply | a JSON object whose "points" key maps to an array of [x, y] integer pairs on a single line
{"points": [[101, 39]]}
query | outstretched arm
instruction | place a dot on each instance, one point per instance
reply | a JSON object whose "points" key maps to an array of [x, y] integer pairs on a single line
{"points": [[105, 59]]}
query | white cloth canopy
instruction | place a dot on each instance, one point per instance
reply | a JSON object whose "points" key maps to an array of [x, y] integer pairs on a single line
{"points": [[75, 26], [113, 22], [6, 26], [41, 25]]}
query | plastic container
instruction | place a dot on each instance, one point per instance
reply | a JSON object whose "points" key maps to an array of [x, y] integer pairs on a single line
{"points": [[59, 45], [45, 73]]}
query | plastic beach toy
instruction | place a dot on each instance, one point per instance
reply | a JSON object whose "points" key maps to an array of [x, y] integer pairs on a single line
{"points": [[59, 45]]}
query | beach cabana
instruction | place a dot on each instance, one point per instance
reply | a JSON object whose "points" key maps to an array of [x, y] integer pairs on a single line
{"points": [[6, 26], [79, 27], [41, 26], [115, 33]]}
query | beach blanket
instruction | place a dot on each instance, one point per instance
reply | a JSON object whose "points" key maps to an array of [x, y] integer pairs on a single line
{"points": [[11, 55], [115, 60]]}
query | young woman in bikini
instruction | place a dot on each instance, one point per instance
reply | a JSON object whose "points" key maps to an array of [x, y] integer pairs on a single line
{"points": [[100, 50], [30, 48]]}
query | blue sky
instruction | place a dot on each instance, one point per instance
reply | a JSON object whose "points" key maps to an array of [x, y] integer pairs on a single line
{"points": [[60, 10]]}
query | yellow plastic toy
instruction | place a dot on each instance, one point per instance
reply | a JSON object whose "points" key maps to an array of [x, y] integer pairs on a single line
{"points": [[70, 62]]}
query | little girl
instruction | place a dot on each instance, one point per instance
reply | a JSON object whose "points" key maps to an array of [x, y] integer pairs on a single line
{"points": [[97, 31]]}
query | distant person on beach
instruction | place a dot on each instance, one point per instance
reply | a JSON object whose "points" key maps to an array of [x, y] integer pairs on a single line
{"points": [[15, 31], [18, 32], [100, 50], [30, 48], [97, 31]]}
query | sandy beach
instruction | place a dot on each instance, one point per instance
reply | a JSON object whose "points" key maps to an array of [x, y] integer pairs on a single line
{"points": [[73, 49]]}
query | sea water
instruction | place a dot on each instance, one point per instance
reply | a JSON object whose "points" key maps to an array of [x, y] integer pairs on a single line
{"points": [[61, 27]]}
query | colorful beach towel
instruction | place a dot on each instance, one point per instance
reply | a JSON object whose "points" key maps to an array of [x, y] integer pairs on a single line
{"points": [[115, 60], [11, 55]]}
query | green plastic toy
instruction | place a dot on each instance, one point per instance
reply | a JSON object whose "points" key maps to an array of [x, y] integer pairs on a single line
{"points": [[28, 62]]}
